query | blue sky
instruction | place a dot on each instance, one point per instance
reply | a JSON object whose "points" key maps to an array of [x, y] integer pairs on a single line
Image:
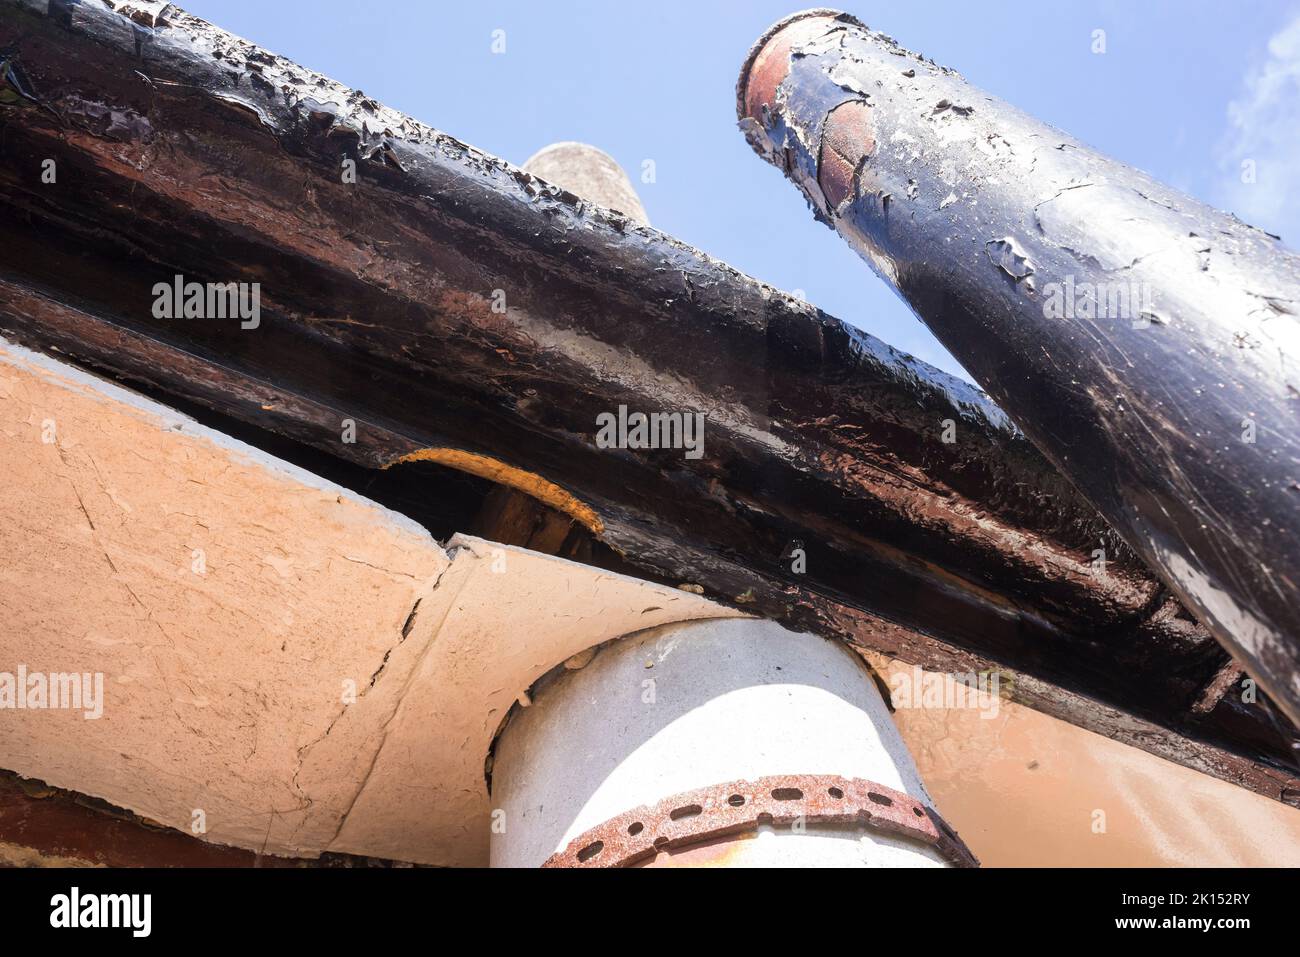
{"points": [[1186, 90]]}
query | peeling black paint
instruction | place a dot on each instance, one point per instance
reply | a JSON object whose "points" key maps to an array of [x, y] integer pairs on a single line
{"points": [[1146, 411]]}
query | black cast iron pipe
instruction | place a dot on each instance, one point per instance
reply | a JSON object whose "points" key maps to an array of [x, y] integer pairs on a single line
{"points": [[1148, 344]]}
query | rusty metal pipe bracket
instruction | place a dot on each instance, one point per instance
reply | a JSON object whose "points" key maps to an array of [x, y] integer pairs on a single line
{"points": [[738, 807]]}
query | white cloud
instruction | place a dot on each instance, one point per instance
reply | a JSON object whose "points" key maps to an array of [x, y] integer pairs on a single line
{"points": [[1264, 128]]}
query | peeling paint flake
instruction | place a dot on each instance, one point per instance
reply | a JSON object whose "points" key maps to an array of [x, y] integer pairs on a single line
{"points": [[1008, 256]]}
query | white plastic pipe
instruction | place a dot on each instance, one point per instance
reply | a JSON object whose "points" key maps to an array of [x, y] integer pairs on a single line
{"points": [[696, 705]]}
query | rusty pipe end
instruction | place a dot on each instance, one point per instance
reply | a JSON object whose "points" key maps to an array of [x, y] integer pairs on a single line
{"points": [[768, 61], [847, 136]]}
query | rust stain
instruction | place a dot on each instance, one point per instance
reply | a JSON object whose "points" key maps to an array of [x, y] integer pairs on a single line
{"points": [[847, 141], [484, 466], [724, 853], [769, 61]]}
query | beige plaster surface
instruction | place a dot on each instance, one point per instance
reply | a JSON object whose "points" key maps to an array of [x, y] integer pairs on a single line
{"points": [[1024, 789], [308, 670]]}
